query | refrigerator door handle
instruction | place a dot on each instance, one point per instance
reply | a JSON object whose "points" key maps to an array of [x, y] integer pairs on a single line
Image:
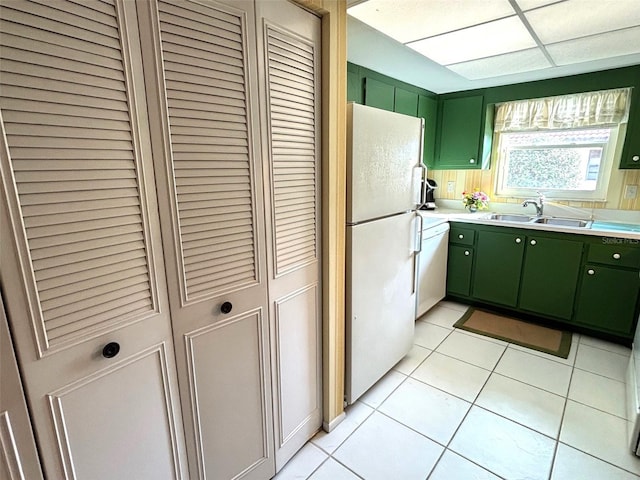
{"points": [[419, 185], [416, 250], [419, 234]]}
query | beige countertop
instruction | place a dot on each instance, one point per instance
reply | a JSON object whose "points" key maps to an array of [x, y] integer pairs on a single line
{"points": [[600, 227]]}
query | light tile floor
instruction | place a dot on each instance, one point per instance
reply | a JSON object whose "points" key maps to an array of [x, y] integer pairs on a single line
{"points": [[461, 406]]}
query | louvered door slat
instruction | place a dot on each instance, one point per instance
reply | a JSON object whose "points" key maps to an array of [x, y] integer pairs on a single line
{"points": [[54, 39], [67, 293], [52, 218], [95, 315], [73, 79], [204, 72], [78, 281], [59, 86], [193, 11], [69, 30], [68, 123], [56, 250], [182, 45], [102, 6], [80, 10], [62, 16]]}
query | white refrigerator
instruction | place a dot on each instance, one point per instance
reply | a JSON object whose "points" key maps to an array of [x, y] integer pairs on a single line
{"points": [[384, 174]]}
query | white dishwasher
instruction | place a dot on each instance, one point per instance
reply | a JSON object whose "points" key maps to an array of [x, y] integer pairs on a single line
{"points": [[432, 266]]}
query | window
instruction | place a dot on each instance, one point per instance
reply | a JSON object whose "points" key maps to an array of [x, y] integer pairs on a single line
{"points": [[564, 147]]}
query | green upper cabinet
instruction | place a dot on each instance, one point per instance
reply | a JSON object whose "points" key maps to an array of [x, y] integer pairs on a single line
{"points": [[428, 110], [379, 94], [406, 102], [631, 151], [355, 92], [461, 135]]}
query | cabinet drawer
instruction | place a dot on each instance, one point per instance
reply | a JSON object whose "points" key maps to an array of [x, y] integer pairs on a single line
{"points": [[618, 254], [461, 236]]}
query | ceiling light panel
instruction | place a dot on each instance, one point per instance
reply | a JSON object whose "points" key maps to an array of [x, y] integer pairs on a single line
{"points": [[595, 47], [531, 4], [507, 64], [582, 18], [489, 39], [408, 20]]}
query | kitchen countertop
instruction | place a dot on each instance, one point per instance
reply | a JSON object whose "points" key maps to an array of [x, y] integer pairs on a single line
{"points": [[598, 228]]}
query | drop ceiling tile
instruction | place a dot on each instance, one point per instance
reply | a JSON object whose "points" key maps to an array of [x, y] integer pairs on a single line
{"points": [[417, 19], [595, 47], [509, 63], [579, 18], [493, 38], [531, 4]]}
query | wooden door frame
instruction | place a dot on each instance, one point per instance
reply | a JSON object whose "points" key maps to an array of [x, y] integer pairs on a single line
{"points": [[334, 116]]}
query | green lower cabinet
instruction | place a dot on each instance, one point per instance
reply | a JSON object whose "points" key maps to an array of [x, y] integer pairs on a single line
{"points": [[497, 268], [459, 264], [607, 299], [550, 276]]}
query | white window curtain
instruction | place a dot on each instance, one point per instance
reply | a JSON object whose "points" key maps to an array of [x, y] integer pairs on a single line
{"points": [[589, 109]]}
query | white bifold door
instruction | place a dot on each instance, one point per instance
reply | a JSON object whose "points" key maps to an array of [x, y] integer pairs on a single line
{"points": [[82, 268], [160, 235], [233, 102]]}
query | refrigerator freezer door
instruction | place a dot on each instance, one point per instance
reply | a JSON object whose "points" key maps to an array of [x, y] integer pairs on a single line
{"points": [[383, 163], [380, 299]]}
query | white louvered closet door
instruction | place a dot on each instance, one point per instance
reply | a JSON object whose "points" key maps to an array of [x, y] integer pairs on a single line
{"points": [[202, 89], [81, 261], [289, 56]]}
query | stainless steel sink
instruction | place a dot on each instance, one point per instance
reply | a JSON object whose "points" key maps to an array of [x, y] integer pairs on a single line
{"points": [[557, 221], [564, 222], [510, 218]]}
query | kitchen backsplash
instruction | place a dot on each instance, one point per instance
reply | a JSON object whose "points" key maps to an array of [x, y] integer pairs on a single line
{"points": [[485, 181]]}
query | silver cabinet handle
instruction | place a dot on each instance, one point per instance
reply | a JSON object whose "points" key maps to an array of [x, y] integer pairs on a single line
{"points": [[518, 240], [533, 242], [591, 271], [472, 160], [466, 252], [461, 236], [616, 256], [635, 158]]}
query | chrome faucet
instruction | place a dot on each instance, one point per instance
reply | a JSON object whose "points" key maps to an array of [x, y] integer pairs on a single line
{"points": [[538, 204]]}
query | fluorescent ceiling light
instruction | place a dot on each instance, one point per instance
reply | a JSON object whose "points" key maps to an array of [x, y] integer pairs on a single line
{"points": [[581, 18], [488, 39], [604, 45], [409, 20], [507, 64]]}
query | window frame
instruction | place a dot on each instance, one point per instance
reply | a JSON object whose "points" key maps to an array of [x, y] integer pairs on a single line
{"points": [[612, 151]]}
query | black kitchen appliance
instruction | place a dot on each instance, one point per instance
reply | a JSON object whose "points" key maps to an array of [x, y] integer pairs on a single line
{"points": [[430, 186]]}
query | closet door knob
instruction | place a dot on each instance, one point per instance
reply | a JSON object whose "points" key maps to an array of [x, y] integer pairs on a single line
{"points": [[226, 307], [111, 349]]}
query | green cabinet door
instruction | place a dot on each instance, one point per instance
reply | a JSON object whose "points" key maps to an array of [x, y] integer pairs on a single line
{"points": [[461, 136], [607, 299], [379, 94], [428, 110], [405, 102], [497, 267], [631, 151], [550, 276], [459, 264], [354, 85]]}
